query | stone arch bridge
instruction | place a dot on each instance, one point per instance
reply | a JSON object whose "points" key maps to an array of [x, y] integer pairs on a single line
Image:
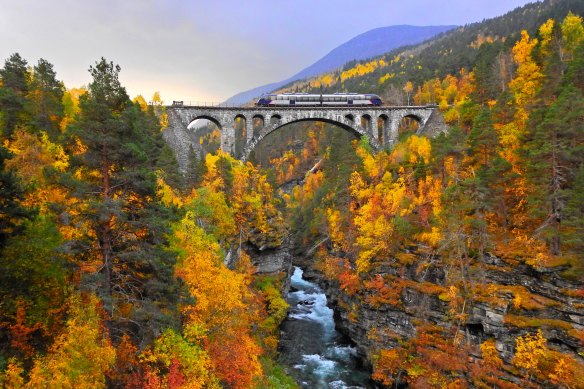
{"points": [[380, 124]]}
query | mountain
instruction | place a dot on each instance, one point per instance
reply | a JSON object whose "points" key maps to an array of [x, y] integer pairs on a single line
{"points": [[459, 48], [369, 44]]}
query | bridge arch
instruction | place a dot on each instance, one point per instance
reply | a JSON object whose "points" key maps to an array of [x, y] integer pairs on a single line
{"points": [[382, 127], [258, 122], [366, 122], [240, 118], [212, 119], [410, 123], [275, 119], [259, 119], [345, 125], [413, 116]]}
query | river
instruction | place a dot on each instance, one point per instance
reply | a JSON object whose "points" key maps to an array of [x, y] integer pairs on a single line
{"points": [[316, 354]]}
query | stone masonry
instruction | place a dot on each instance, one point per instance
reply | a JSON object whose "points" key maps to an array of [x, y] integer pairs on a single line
{"points": [[380, 124]]}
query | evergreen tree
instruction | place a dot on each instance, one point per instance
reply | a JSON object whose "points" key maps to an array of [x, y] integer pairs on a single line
{"points": [[573, 233], [483, 139], [13, 91], [12, 213], [46, 96], [487, 84], [119, 188], [554, 153]]}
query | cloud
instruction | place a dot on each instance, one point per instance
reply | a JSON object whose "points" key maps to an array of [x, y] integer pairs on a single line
{"points": [[204, 50]]}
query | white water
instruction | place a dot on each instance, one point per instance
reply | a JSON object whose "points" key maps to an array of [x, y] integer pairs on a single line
{"points": [[317, 353]]}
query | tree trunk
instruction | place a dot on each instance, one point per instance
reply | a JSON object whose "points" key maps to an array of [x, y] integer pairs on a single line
{"points": [[105, 239]]}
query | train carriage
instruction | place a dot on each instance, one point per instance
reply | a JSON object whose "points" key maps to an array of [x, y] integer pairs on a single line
{"points": [[306, 99]]}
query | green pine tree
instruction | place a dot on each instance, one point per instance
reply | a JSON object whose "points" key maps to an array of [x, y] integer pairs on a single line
{"points": [[13, 90], [45, 97], [122, 151]]}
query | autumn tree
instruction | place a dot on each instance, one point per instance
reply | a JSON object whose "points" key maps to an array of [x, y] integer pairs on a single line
{"points": [[33, 285], [81, 354], [221, 316], [408, 88]]}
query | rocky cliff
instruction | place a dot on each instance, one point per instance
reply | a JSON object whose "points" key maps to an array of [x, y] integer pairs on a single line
{"points": [[516, 299]]}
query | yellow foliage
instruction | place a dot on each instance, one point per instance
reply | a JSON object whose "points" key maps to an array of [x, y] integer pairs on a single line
{"points": [[528, 76], [81, 355], [490, 354], [163, 120], [374, 165], [213, 212], [385, 77], [572, 32], [373, 219], [451, 90], [529, 351], [212, 179], [545, 32], [166, 194], [419, 147], [336, 229], [222, 309], [11, 378], [194, 363], [363, 68], [432, 238], [141, 102], [33, 154], [481, 39]]}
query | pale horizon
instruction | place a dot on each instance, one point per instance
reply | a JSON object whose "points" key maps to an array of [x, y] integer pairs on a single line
{"points": [[197, 51]]}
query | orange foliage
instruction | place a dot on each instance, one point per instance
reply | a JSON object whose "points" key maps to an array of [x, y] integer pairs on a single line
{"points": [[384, 292], [349, 281], [20, 333], [222, 309]]}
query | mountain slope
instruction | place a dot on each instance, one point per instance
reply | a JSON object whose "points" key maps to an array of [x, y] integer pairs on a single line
{"points": [[369, 44], [460, 48]]}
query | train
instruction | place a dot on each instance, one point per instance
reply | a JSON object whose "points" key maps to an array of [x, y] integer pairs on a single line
{"points": [[307, 99]]}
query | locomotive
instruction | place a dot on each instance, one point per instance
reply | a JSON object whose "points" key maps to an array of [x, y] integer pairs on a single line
{"points": [[306, 99]]}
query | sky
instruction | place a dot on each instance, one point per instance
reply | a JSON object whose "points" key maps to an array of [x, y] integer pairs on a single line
{"points": [[207, 51]]}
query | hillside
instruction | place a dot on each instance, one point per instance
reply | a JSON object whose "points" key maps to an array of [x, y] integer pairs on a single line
{"points": [[457, 49], [366, 45], [458, 261], [454, 261]]}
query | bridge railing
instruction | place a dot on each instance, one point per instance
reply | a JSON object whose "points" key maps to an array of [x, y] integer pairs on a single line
{"points": [[195, 103], [212, 104]]}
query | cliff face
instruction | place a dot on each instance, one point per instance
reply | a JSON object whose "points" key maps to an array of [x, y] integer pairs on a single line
{"points": [[547, 301]]}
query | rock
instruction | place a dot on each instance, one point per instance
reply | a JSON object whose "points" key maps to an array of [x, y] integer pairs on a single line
{"points": [[358, 320], [271, 261]]}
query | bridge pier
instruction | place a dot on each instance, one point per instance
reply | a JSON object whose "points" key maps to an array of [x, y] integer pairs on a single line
{"points": [[228, 139], [363, 121]]}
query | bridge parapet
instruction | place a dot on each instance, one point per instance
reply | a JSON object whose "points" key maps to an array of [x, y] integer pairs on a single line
{"points": [[380, 124]]}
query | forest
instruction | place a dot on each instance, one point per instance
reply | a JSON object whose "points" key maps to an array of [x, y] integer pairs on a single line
{"points": [[117, 271], [474, 237], [112, 263]]}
